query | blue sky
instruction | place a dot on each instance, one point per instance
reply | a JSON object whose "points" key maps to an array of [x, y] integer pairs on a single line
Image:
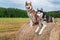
{"points": [[47, 5]]}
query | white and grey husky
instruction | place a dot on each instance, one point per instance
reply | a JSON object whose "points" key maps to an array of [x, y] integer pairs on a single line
{"points": [[43, 19]]}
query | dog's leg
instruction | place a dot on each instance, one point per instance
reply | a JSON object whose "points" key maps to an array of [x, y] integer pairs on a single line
{"points": [[53, 20], [42, 29], [37, 29], [31, 23]]}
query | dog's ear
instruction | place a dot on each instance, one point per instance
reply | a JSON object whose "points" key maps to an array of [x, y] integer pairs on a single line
{"points": [[30, 3], [41, 9], [25, 3], [37, 8]]}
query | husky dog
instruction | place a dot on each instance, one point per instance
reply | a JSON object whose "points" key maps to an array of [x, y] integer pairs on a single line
{"points": [[31, 13], [43, 19], [42, 23]]}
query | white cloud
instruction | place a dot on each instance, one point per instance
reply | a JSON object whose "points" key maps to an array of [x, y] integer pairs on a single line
{"points": [[45, 4], [17, 1]]}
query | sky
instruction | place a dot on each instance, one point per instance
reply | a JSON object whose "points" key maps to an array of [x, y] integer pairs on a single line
{"points": [[47, 5]]}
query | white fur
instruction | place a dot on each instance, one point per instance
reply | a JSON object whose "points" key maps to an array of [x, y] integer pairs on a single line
{"points": [[37, 29], [31, 23], [28, 7], [29, 10], [40, 23], [40, 14], [53, 20], [42, 29], [31, 19], [28, 1]]}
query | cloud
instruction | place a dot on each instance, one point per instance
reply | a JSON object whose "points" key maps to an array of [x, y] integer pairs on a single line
{"points": [[47, 5]]}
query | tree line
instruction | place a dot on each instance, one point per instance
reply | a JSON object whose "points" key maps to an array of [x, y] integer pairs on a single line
{"points": [[55, 14], [12, 13], [15, 13]]}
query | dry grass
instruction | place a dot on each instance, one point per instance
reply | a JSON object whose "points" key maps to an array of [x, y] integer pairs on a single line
{"points": [[27, 33], [13, 24], [10, 26], [58, 20]]}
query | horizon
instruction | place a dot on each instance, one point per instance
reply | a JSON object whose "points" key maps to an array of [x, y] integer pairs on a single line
{"points": [[25, 9]]}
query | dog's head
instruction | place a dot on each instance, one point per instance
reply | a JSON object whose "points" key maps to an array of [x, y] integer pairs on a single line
{"points": [[28, 5], [38, 11]]}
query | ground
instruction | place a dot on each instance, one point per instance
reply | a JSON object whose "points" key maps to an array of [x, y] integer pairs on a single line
{"points": [[51, 32], [11, 27]]}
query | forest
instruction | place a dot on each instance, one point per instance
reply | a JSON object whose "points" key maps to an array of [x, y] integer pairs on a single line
{"points": [[19, 13]]}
